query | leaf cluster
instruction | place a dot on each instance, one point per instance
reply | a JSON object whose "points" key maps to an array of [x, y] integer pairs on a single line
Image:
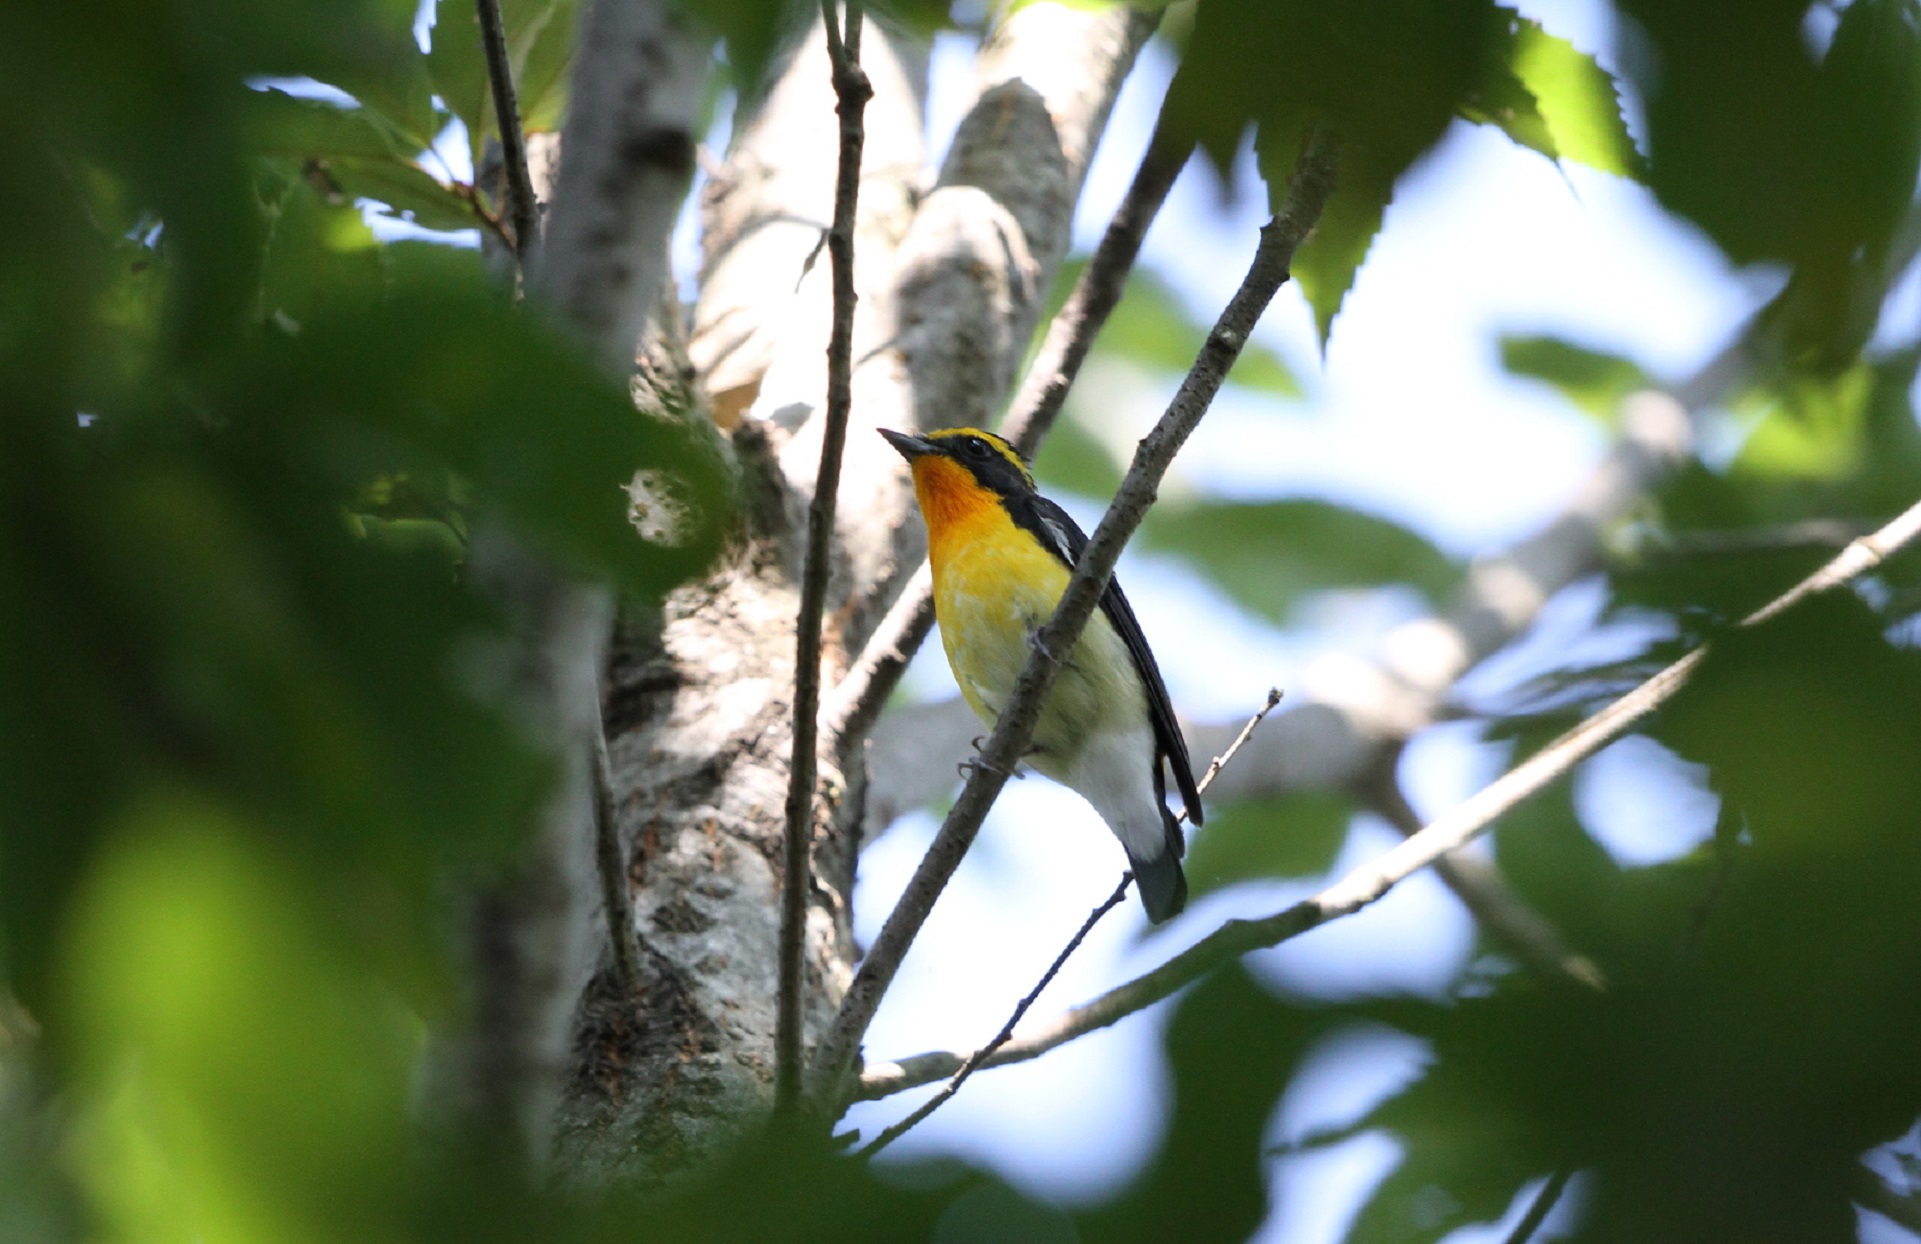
{"points": [[258, 717]]}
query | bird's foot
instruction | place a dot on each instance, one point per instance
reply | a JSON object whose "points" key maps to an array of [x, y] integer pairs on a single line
{"points": [[967, 767]]}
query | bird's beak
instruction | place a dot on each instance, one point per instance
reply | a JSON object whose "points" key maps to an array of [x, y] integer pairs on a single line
{"points": [[910, 447]]}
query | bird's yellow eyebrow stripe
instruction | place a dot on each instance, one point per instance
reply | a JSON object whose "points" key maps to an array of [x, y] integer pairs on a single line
{"points": [[1000, 446]]}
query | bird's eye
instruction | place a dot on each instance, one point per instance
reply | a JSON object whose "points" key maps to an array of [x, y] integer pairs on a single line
{"points": [[977, 448]]}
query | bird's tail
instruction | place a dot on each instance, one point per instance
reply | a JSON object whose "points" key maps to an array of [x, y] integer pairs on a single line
{"points": [[1159, 878]]}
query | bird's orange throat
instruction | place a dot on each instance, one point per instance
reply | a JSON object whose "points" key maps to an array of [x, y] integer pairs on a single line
{"points": [[954, 504]]}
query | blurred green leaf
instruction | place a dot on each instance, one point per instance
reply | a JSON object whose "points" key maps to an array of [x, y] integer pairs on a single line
{"points": [[250, 1080], [403, 186], [1072, 459], [1593, 380], [544, 54], [1295, 836], [318, 254], [1221, 1109], [1552, 863], [1269, 555], [1779, 153], [1806, 425], [752, 31], [286, 125], [458, 70]]}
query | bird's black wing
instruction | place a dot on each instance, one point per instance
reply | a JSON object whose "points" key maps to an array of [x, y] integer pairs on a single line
{"points": [[1060, 534]]}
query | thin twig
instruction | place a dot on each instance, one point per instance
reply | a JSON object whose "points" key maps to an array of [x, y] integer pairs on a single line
{"points": [[1481, 888], [1221, 761], [1112, 901], [1543, 1205], [1812, 533], [1001, 1038], [1312, 183], [1371, 881], [615, 896], [513, 146], [851, 91], [860, 696]]}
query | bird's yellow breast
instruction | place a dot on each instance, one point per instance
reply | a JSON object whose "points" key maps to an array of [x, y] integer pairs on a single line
{"points": [[994, 586]]}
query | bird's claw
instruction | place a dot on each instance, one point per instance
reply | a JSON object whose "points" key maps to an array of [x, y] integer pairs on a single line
{"points": [[967, 768]]}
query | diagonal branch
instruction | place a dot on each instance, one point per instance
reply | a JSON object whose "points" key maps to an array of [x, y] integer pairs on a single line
{"points": [[1541, 1206], [859, 697], [1368, 883], [513, 144], [852, 92], [1312, 183], [1484, 892]]}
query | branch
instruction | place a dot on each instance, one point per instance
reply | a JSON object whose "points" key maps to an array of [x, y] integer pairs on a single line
{"points": [[852, 91], [616, 897], [1482, 890], [1113, 900], [513, 147], [1542, 1206], [1812, 533], [1368, 883], [1312, 183], [860, 696], [627, 160]]}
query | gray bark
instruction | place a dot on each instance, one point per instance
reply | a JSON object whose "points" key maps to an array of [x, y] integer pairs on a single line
{"points": [[532, 939]]}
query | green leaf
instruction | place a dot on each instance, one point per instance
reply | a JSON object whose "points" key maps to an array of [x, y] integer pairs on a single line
{"points": [[408, 189], [318, 252], [1595, 381], [437, 376], [1551, 98], [541, 74], [1326, 264], [1269, 555], [286, 125], [1577, 101], [1073, 459], [1221, 1107], [751, 30], [386, 71], [1385, 76], [1483, 1117], [1807, 426], [1503, 100], [203, 966], [1294, 836], [458, 70]]}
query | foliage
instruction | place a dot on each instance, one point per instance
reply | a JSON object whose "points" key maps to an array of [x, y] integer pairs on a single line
{"points": [[259, 718]]}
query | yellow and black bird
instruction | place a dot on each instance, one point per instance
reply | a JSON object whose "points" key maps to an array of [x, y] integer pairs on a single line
{"points": [[1001, 556]]}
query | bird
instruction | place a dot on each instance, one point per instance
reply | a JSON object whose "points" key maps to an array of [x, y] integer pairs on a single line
{"points": [[1001, 555]]}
